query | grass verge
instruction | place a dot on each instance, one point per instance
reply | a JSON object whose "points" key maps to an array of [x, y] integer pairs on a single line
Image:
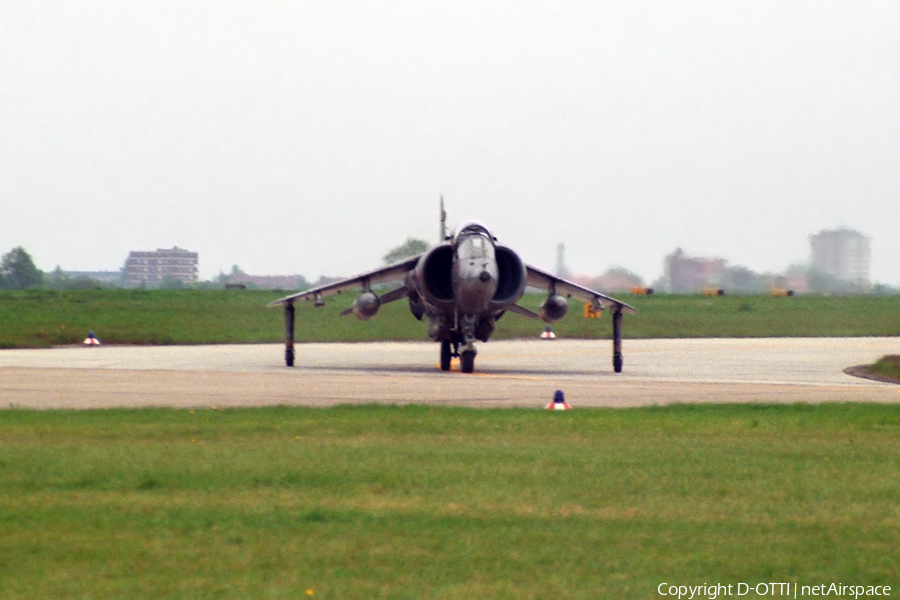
{"points": [[419, 502], [888, 365], [42, 318]]}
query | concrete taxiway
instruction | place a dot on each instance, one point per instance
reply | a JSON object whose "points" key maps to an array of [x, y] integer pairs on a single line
{"points": [[508, 373]]}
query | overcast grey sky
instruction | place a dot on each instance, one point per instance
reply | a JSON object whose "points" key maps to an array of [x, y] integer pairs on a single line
{"points": [[312, 137]]}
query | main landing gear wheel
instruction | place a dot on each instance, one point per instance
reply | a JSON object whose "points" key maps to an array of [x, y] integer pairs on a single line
{"points": [[617, 364], [467, 361], [445, 355]]}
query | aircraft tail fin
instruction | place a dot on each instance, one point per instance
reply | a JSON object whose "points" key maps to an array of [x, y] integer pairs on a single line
{"points": [[443, 222]]}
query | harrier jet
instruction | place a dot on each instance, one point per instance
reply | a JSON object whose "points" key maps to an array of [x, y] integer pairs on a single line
{"points": [[462, 287]]}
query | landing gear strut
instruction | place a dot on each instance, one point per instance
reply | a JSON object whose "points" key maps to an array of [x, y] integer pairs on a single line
{"points": [[289, 334], [467, 356], [617, 340]]}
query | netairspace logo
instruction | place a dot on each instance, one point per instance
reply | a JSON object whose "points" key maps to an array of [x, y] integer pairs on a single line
{"points": [[792, 590]]}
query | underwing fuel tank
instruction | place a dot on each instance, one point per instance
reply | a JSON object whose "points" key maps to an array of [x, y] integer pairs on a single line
{"points": [[366, 306], [553, 308]]}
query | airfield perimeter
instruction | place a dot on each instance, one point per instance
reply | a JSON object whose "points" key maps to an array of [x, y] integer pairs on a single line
{"points": [[508, 373]]}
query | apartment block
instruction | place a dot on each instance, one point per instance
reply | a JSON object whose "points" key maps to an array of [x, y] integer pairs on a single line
{"points": [[843, 254], [152, 268]]}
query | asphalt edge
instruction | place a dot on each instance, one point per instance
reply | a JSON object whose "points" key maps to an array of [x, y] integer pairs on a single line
{"points": [[865, 372]]}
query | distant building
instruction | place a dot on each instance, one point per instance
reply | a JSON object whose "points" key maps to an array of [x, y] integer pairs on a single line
{"points": [[842, 253], [152, 268], [616, 279], [687, 274]]}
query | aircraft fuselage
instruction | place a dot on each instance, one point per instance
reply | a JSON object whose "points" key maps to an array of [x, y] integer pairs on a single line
{"points": [[474, 272]]}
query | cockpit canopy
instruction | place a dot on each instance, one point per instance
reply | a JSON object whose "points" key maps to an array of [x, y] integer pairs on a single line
{"points": [[474, 241], [474, 246], [472, 227]]}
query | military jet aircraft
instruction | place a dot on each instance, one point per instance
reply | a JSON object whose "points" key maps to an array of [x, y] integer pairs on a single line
{"points": [[462, 286]]}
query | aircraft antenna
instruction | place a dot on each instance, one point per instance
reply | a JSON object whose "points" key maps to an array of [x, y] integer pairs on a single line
{"points": [[443, 222]]}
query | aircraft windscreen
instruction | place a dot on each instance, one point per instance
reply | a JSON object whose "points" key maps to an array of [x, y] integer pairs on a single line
{"points": [[474, 247]]}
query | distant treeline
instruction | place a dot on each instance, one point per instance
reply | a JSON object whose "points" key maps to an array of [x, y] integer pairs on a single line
{"points": [[18, 272]]}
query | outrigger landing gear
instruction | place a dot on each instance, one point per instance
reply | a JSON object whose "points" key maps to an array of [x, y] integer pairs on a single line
{"points": [[289, 334], [617, 340]]}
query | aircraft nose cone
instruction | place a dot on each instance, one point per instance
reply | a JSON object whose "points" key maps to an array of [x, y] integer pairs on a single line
{"points": [[484, 277]]}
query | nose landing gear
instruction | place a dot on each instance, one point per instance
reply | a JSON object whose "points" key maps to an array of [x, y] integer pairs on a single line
{"points": [[464, 336], [466, 357]]}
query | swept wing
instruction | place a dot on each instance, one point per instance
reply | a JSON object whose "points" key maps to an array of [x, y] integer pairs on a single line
{"points": [[538, 278], [394, 272]]}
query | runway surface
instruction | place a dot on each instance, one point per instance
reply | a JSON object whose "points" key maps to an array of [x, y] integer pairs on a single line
{"points": [[508, 373]]}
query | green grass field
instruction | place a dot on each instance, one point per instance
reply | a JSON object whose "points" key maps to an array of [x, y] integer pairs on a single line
{"points": [[418, 502], [42, 318], [888, 365]]}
